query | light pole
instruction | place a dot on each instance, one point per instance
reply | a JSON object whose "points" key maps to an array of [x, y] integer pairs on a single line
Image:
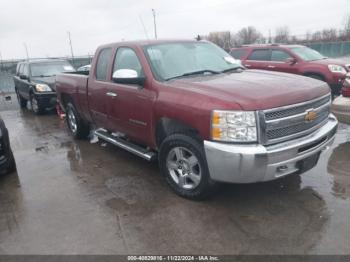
{"points": [[26, 48], [155, 23], [71, 46]]}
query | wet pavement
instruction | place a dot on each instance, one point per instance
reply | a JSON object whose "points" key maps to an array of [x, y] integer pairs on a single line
{"points": [[75, 197]]}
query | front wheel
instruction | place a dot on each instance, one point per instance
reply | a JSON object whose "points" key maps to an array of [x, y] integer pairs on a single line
{"points": [[75, 124], [182, 162], [37, 109]]}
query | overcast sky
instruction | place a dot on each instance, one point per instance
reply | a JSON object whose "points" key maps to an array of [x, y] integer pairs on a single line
{"points": [[43, 24]]}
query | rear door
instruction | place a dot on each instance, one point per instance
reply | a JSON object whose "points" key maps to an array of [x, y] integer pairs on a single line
{"points": [[98, 85], [258, 59], [24, 83], [130, 110], [279, 62]]}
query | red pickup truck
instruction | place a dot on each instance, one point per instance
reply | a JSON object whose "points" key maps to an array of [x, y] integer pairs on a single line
{"points": [[204, 117], [294, 59]]}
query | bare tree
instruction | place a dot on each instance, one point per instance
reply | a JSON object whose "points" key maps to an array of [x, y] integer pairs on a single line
{"points": [[282, 35], [222, 39], [330, 34], [248, 35]]}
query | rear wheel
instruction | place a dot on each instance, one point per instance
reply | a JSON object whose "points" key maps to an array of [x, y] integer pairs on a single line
{"points": [[22, 102], [75, 124], [182, 162], [37, 109]]}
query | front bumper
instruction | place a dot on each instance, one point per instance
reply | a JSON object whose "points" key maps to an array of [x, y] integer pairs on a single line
{"points": [[234, 163], [46, 99]]}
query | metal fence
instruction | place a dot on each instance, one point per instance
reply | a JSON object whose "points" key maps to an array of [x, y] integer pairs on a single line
{"points": [[6, 83], [334, 49]]}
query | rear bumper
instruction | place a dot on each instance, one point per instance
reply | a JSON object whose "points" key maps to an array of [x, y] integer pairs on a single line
{"points": [[46, 100], [341, 109], [256, 163]]}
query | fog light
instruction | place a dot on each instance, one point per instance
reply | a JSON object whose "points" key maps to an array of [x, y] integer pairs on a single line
{"points": [[282, 169]]}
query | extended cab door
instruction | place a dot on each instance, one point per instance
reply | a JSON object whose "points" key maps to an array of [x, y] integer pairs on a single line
{"points": [[98, 85], [130, 105], [282, 61], [258, 59]]}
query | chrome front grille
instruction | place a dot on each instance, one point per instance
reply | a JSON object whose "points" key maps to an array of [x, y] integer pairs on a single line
{"points": [[285, 123]]}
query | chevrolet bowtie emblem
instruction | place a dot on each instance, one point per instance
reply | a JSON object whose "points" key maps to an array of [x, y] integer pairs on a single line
{"points": [[310, 116]]}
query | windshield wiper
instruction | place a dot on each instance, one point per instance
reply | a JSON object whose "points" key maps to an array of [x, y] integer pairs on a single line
{"points": [[200, 72], [232, 69]]}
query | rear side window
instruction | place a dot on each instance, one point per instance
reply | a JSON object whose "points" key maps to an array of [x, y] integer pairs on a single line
{"points": [[279, 55], [260, 55], [239, 53], [102, 64], [25, 70], [19, 69]]}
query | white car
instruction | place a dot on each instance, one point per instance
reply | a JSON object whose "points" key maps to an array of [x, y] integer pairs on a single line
{"points": [[85, 68], [341, 105]]}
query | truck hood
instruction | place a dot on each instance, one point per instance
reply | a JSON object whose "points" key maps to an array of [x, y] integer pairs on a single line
{"points": [[255, 89], [50, 81]]}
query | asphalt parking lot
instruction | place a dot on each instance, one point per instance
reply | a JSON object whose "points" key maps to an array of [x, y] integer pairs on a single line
{"points": [[77, 197]]}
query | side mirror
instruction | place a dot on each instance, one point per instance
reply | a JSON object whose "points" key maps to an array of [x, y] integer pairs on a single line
{"points": [[291, 60], [23, 77], [128, 77]]}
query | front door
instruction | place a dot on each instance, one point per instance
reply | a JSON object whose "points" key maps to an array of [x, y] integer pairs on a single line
{"points": [[130, 106], [281, 62]]}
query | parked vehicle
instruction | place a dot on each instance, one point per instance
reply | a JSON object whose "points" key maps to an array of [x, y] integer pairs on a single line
{"points": [[294, 59], [206, 118], [341, 105], [85, 68], [34, 82], [7, 161]]}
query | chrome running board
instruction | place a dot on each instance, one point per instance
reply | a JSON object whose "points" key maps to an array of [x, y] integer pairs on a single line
{"points": [[124, 144]]}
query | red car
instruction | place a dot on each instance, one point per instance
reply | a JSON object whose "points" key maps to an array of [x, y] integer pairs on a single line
{"points": [[294, 59]]}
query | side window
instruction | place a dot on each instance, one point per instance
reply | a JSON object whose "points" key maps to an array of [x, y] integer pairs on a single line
{"points": [[238, 53], [25, 70], [279, 55], [19, 69], [102, 64], [126, 58], [260, 55]]}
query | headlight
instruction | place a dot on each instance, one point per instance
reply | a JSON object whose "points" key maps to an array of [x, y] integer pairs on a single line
{"points": [[233, 126], [42, 88], [337, 69]]}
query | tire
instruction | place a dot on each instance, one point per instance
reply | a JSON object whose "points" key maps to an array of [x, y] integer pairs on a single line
{"points": [[183, 164], [10, 165], [36, 108], [22, 102], [75, 124]]}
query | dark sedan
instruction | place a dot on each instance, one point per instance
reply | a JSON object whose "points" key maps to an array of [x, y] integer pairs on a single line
{"points": [[7, 161]]}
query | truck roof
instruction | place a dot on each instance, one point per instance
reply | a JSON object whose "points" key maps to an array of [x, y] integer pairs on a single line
{"points": [[34, 61], [151, 42]]}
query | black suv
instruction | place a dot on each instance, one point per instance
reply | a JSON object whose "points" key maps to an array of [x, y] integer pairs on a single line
{"points": [[7, 161], [35, 81]]}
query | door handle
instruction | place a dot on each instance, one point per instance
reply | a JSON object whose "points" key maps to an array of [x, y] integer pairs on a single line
{"points": [[111, 94], [247, 65], [271, 66]]}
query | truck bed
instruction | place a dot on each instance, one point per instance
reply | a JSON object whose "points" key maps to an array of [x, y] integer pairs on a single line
{"points": [[75, 86]]}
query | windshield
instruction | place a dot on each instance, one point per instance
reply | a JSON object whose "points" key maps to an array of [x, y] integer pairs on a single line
{"points": [[307, 54], [173, 60], [50, 68]]}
